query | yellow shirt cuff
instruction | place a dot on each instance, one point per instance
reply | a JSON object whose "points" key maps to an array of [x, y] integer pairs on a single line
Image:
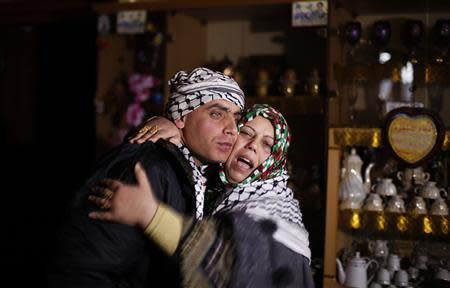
{"points": [[165, 228]]}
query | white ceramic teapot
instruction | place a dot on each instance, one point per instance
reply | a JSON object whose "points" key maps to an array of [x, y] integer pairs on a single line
{"points": [[355, 274], [351, 186]]}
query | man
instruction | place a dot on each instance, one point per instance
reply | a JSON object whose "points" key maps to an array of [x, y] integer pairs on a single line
{"points": [[205, 106]]}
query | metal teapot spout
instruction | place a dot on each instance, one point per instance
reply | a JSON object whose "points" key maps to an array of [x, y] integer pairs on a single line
{"points": [[340, 271]]}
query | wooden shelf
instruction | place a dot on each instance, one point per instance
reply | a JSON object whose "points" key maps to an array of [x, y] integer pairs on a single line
{"points": [[390, 7], [159, 5], [368, 137], [394, 225]]}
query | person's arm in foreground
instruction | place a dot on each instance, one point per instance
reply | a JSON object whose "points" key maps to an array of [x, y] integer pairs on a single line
{"points": [[227, 250]]}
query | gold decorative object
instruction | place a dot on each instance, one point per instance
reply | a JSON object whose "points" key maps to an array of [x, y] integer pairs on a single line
{"points": [[395, 76], [314, 83], [369, 137], [436, 73], [402, 223], [414, 135], [427, 225], [446, 143], [355, 220], [412, 138], [381, 222], [289, 80], [358, 137]]}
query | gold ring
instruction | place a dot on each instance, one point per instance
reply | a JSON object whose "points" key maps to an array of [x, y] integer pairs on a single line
{"points": [[154, 129], [144, 129], [108, 194], [105, 205]]}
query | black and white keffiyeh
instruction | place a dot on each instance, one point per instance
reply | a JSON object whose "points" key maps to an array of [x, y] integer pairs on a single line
{"points": [[191, 90], [265, 195], [271, 199], [199, 180], [272, 194]]}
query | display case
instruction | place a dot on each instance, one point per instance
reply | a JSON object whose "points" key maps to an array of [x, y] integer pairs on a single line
{"points": [[383, 55], [350, 228]]}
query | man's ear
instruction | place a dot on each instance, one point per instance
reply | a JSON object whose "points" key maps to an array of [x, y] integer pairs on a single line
{"points": [[180, 122]]}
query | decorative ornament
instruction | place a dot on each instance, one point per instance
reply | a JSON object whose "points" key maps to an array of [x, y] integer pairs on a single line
{"points": [[381, 33], [352, 32], [413, 135]]}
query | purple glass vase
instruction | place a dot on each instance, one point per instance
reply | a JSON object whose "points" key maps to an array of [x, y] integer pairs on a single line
{"points": [[381, 33], [352, 32]]}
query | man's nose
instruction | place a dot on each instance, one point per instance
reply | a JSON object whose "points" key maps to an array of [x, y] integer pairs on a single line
{"points": [[230, 126]]}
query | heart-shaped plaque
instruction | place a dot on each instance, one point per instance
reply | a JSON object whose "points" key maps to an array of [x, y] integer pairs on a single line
{"points": [[414, 135]]}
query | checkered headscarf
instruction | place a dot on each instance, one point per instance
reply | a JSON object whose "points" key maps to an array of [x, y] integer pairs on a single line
{"points": [[275, 164], [201, 85], [265, 194], [190, 91]]}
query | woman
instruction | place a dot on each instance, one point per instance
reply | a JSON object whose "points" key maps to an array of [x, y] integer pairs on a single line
{"points": [[255, 236]]}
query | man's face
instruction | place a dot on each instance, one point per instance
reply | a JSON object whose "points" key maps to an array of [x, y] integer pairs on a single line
{"points": [[210, 131]]}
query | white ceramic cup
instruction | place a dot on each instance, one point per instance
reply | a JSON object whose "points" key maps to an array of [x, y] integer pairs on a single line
{"points": [[375, 285], [379, 248], [385, 187], [401, 278], [417, 206], [396, 205], [439, 207], [393, 262], [442, 274], [421, 262], [413, 273], [431, 191], [383, 276], [374, 203], [419, 176]]}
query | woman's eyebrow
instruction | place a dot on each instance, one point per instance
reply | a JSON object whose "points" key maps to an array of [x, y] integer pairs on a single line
{"points": [[247, 126]]}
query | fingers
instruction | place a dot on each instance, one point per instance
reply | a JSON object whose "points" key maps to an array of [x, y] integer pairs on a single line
{"points": [[101, 215], [103, 192], [110, 184], [148, 129], [100, 201], [143, 136], [141, 176], [147, 136]]}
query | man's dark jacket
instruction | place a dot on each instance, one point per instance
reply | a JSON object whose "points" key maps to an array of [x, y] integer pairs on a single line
{"points": [[93, 253]]}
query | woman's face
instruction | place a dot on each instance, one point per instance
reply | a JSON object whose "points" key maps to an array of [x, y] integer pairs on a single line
{"points": [[253, 146]]}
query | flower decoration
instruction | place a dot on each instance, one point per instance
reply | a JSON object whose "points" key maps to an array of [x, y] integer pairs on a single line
{"points": [[139, 85]]}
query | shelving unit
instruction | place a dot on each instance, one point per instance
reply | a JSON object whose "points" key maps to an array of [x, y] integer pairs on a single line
{"points": [[339, 231]]}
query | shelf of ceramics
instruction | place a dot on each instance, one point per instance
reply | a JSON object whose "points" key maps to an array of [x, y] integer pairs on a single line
{"points": [[368, 137], [358, 222]]}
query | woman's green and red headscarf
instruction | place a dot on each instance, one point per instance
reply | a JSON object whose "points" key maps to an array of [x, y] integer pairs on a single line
{"points": [[275, 164]]}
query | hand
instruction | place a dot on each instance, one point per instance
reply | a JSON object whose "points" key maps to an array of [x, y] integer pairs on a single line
{"points": [[127, 204], [154, 129]]}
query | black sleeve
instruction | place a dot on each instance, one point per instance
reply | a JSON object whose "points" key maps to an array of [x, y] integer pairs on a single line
{"points": [[93, 253]]}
